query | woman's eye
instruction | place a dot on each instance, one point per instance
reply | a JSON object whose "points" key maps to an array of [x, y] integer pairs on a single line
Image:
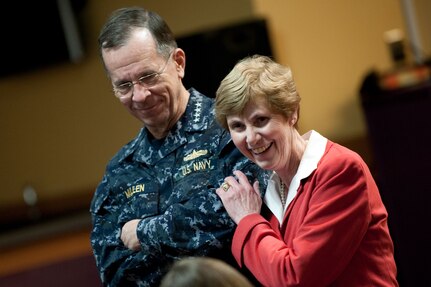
{"points": [[261, 121], [235, 126]]}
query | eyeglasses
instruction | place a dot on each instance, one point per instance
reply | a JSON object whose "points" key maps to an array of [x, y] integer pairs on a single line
{"points": [[125, 90]]}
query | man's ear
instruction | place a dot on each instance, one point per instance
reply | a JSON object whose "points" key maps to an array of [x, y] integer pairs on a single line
{"points": [[179, 58]]}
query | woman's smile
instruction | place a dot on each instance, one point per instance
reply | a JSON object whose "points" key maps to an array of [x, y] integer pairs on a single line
{"points": [[260, 150]]}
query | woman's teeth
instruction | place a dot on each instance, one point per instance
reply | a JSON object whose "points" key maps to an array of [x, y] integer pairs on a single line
{"points": [[261, 149]]}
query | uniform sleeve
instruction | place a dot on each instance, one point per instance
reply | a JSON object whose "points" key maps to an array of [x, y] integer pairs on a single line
{"points": [[119, 266], [336, 220]]}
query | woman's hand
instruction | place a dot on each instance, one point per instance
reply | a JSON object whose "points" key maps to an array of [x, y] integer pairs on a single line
{"points": [[239, 197]]}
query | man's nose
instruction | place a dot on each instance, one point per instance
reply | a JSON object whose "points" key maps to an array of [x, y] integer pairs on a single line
{"points": [[139, 92]]}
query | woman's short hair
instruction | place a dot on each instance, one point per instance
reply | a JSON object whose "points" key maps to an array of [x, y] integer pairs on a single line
{"points": [[203, 271], [254, 78]]}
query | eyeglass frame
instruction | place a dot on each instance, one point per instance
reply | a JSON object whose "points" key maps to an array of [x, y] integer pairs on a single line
{"points": [[140, 81]]}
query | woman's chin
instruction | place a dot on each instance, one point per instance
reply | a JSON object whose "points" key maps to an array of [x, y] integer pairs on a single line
{"points": [[263, 164]]}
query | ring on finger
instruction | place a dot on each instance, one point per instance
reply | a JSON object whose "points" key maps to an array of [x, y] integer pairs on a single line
{"points": [[225, 186]]}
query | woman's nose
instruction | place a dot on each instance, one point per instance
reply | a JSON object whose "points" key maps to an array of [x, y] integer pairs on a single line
{"points": [[252, 137]]}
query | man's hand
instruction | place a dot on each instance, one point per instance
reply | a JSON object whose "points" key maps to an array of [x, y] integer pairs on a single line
{"points": [[129, 236]]}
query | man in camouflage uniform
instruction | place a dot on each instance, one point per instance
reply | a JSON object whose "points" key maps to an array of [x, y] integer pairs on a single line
{"points": [[157, 201]]}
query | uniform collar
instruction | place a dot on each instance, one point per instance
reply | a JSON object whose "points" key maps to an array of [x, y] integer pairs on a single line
{"points": [[198, 116]]}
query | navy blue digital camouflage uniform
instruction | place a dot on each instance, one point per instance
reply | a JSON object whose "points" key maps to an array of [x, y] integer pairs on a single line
{"points": [[172, 189]]}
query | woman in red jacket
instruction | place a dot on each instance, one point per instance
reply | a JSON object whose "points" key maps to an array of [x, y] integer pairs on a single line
{"points": [[323, 222]]}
